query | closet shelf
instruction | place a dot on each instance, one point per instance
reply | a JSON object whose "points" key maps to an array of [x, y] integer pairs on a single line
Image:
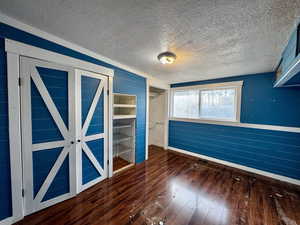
{"points": [[117, 117], [125, 151], [124, 106], [121, 137], [123, 99], [122, 126], [122, 148]]}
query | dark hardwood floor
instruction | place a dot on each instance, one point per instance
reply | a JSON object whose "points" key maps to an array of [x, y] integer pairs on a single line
{"points": [[119, 163], [172, 189]]}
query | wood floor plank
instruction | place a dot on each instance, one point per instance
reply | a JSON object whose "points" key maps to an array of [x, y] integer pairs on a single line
{"points": [[173, 189]]}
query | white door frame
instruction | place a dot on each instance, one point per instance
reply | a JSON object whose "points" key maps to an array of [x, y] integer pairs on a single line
{"points": [[166, 120], [14, 50], [81, 146]]}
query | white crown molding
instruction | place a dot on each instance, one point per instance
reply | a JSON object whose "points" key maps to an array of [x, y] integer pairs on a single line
{"points": [[238, 166], [50, 37]]}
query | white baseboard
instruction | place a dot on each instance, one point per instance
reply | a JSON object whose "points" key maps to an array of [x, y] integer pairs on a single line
{"points": [[7, 221], [238, 166]]}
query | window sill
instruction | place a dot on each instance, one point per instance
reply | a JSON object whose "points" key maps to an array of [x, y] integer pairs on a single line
{"points": [[208, 121]]}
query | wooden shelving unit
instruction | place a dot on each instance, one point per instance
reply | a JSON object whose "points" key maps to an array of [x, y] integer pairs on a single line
{"points": [[124, 131]]}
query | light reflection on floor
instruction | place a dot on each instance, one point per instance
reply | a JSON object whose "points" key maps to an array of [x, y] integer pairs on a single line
{"points": [[188, 198]]}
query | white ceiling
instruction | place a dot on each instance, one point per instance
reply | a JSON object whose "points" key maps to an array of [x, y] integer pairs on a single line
{"points": [[211, 38]]}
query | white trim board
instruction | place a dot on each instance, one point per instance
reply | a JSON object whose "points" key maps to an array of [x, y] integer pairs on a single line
{"points": [[147, 119], [238, 166], [237, 124], [7, 221], [232, 84], [110, 127], [35, 31], [14, 120], [42, 54]]}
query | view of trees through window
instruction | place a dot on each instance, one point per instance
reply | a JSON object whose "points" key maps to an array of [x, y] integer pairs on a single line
{"points": [[205, 104]]}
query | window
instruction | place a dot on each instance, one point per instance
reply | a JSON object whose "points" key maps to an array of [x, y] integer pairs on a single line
{"points": [[207, 102]]}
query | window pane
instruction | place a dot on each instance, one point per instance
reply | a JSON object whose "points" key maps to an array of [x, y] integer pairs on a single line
{"points": [[218, 104], [186, 104]]}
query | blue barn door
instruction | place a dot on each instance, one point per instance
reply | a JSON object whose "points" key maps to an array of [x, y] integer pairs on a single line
{"points": [[48, 133], [92, 128]]}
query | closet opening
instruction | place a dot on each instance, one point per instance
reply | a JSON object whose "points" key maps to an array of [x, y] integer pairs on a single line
{"points": [[124, 131], [157, 118]]}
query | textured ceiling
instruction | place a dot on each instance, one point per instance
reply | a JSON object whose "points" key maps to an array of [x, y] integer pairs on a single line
{"points": [[211, 38]]}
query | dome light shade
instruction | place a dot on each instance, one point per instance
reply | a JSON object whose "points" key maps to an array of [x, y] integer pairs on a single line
{"points": [[166, 57]]}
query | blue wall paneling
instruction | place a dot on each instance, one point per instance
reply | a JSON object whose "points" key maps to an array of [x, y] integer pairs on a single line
{"points": [[272, 151]]}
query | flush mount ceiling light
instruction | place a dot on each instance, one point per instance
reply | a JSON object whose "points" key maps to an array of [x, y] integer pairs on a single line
{"points": [[166, 57]]}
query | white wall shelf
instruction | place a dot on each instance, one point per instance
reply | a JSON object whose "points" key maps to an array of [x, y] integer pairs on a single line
{"points": [[118, 117], [122, 127], [120, 138], [124, 106], [123, 148]]}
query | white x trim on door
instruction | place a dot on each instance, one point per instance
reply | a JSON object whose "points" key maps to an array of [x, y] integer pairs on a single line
{"points": [[29, 72]]}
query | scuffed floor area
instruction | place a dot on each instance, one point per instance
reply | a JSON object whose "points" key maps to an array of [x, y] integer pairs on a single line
{"points": [[170, 189]]}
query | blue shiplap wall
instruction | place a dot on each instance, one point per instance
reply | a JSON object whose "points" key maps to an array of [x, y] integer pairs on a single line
{"points": [[124, 82], [273, 151], [5, 189]]}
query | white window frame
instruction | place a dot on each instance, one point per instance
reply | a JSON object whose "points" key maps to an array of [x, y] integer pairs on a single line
{"points": [[237, 85]]}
